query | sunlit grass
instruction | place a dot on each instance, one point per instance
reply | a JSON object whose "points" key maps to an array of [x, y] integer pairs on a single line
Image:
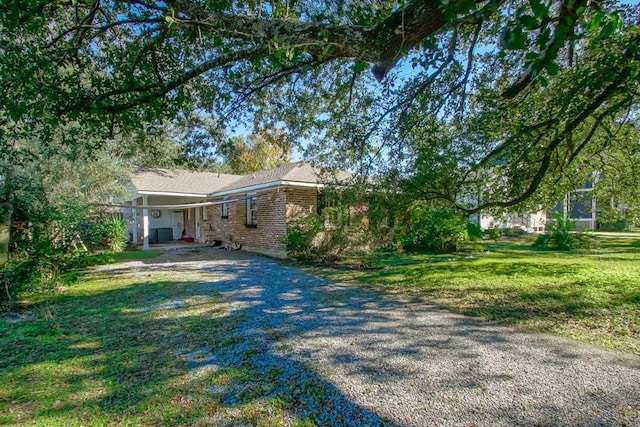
{"points": [[128, 347], [113, 257], [593, 296]]}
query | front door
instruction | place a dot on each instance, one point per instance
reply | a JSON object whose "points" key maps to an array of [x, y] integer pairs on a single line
{"points": [[177, 223]]}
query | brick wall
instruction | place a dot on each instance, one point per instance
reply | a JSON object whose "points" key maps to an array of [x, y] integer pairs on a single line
{"points": [[265, 237], [301, 201], [275, 210]]}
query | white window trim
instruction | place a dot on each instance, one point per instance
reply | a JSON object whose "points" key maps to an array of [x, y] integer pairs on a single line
{"points": [[252, 219], [205, 217], [225, 210]]}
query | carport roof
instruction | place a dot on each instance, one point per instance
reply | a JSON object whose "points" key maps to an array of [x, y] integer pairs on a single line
{"points": [[179, 182]]}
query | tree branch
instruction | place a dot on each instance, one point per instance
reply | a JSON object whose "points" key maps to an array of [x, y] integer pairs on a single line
{"points": [[545, 162], [155, 90], [566, 15]]}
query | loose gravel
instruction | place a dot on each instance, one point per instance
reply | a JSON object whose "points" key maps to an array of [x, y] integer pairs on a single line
{"points": [[354, 357]]}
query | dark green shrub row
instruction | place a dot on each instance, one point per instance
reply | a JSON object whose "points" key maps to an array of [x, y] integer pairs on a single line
{"points": [[421, 227]]}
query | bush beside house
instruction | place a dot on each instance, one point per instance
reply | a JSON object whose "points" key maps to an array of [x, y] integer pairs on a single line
{"points": [[422, 227]]}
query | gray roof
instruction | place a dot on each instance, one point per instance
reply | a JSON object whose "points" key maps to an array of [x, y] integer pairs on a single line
{"points": [[180, 181], [300, 172], [183, 182]]}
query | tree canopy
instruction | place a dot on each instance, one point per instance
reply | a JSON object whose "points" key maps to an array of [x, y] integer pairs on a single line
{"points": [[477, 103], [259, 151]]}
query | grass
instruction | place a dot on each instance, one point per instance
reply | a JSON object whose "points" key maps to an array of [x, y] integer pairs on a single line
{"points": [[134, 348], [114, 257], [592, 296]]}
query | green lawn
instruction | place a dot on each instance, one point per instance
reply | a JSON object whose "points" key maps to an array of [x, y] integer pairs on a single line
{"points": [[593, 296], [113, 257], [123, 348], [107, 350]]}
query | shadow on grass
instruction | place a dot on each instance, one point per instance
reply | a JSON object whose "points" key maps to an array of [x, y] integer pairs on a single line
{"points": [[239, 346], [514, 289], [161, 352]]}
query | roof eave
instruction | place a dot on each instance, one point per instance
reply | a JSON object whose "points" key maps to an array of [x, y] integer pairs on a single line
{"points": [[263, 186], [169, 193]]}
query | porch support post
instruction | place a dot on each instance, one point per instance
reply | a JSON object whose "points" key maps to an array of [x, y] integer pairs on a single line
{"points": [[134, 211], [197, 229], [145, 223]]}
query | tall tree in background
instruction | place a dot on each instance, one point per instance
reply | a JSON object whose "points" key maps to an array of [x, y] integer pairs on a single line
{"points": [[446, 98], [259, 151]]}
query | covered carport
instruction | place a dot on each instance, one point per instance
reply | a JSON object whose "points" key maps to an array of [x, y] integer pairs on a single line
{"points": [[164, 205]]}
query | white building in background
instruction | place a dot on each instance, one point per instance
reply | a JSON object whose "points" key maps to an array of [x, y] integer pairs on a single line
{"points": [[531, 222]]}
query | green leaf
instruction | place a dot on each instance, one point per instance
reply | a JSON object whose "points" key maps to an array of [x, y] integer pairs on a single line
{"points": [[543, 81], [607, 30], [538, 8], [595, 20], [544, 38], [360, 66], [529, 22], [515, 39], [552, 68], [464, 6]]}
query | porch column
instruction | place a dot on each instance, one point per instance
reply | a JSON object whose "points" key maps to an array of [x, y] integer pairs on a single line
{"points": [[145, 223], [134, 230], [197, 229]]}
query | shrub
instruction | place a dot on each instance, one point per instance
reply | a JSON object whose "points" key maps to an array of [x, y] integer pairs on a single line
{"points": [[113, 233], [496, 232], [299, 239], [474, 231], [34, 268], [560, 236], [326, 238], [46, 245], [435, 229], [493, 233], [619, 224]]}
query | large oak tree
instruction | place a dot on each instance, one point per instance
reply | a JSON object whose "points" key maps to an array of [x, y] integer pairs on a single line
{"points": [[479, 103]]}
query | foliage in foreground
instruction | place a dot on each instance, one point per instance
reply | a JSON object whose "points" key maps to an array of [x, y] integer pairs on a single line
{"points": [[505, 97]]}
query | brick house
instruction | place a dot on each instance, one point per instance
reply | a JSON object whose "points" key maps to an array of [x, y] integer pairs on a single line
{"points": [[254, 210]]}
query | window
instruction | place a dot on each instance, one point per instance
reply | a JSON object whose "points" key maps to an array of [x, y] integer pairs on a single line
{"points": [[332, 210], [204, 213], [252, 210], [225, 210]]}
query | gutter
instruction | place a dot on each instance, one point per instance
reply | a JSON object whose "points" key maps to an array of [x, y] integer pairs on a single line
{"points": [[266, 185], [181, 206], [165, 193]]}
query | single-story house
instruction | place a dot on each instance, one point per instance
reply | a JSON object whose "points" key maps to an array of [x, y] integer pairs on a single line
{"points": [[254, 210]]}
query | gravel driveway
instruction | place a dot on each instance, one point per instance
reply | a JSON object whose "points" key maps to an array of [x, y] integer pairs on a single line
{"points": [[388, 359]]}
